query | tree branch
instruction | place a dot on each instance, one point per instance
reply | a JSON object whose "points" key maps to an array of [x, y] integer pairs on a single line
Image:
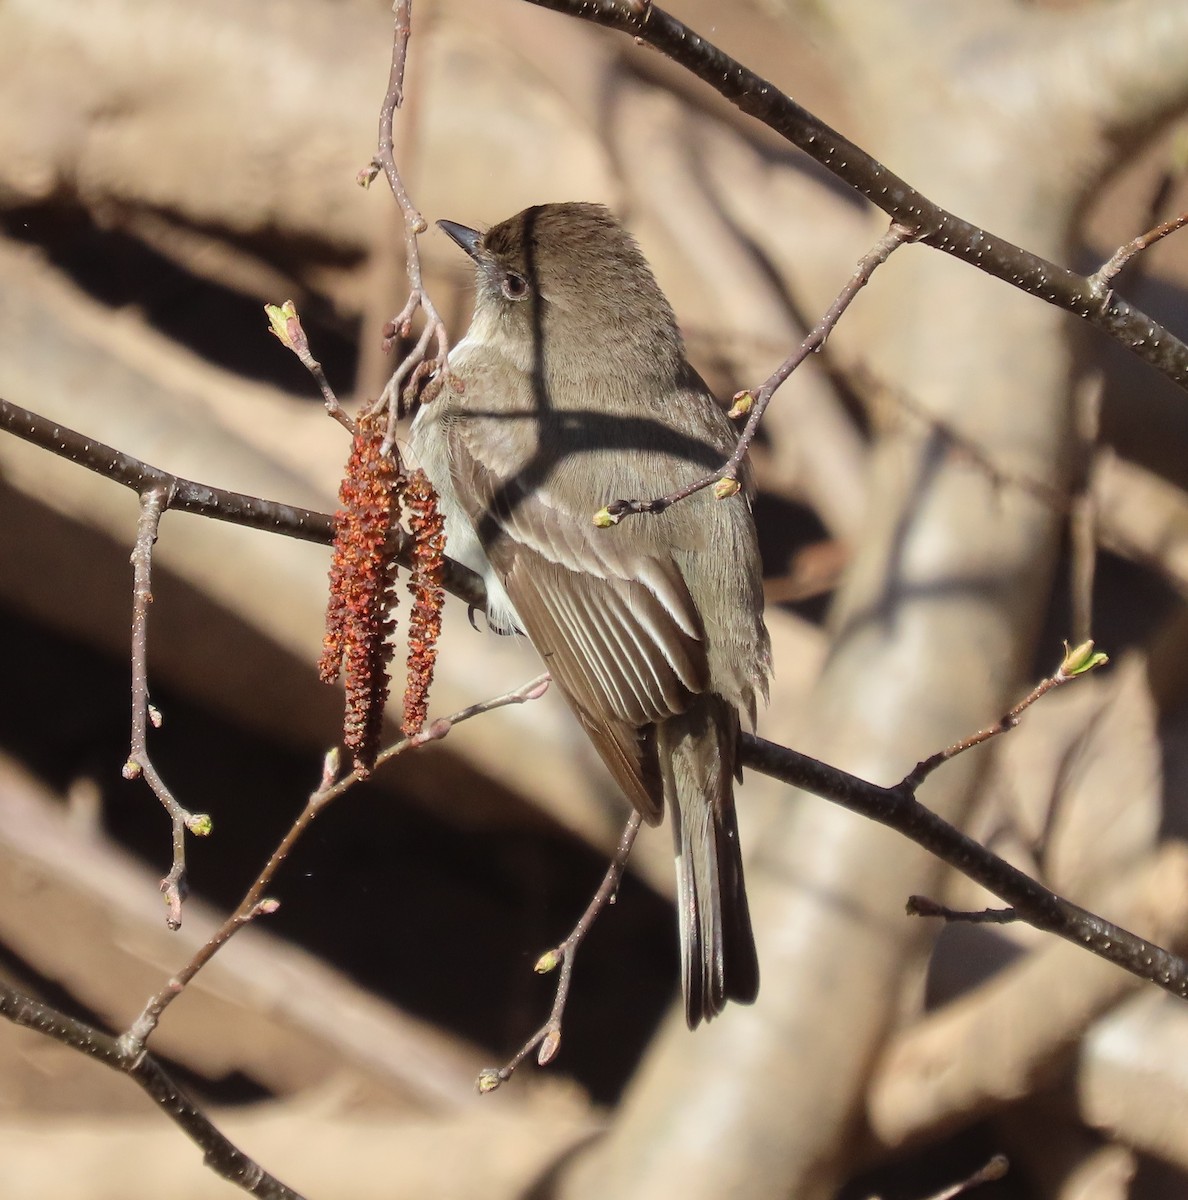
{"points": [[898, 809], [153, 502], [895, 807], [186, 496], [755, 403], [418, 363], [548, 1036], [929, 222], [330, 787], [218, 1153]]}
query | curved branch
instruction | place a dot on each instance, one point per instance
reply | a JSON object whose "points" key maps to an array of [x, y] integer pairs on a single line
{"points": [[931, 224]]}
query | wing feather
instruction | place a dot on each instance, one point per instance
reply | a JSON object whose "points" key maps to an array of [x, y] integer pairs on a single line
{"points": [[616, 627]]}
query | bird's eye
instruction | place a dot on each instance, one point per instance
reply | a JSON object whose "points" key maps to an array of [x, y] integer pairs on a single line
{"points": [[515, 287]]}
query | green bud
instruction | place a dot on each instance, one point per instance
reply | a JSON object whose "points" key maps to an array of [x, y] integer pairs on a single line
{"points": [[279, 317], [1078, 660], [488, 1080], [547, 962], [743, 403], [199, 824]]}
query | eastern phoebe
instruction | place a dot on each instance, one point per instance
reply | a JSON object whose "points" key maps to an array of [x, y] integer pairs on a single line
{"points": [[571, 389]]}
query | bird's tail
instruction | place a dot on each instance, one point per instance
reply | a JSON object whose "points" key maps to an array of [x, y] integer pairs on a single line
{"points": [[697, 752]]}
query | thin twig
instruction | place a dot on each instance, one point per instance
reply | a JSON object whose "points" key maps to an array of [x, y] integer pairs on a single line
{"points": [[996, 1168], [153, 503], [1004, 724], [255, 903], [415, 365], [285, 323], [548, 1036], [922, 906], [1078, 660], [1108, 270], [756, 402], [221, 1155]]}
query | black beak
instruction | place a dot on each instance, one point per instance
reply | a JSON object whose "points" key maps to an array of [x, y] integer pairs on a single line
{"points": [[466, 237]]}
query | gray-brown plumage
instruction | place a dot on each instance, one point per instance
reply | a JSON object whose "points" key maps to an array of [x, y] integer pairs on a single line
{"points": [[572, 390]]}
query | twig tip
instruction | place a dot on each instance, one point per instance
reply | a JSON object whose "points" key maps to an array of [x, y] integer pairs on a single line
{"points": [[199, 824], [742, 404], [550, 1044], [489, 1078], [1081, 659], [547, 962]]}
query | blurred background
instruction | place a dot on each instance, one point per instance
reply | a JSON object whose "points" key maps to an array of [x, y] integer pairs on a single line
{"points": [[962, 479]]}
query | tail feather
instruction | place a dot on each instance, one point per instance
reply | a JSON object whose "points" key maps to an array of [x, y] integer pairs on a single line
{"points": [[697, 753]]}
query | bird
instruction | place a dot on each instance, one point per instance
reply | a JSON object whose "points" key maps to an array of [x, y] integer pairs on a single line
{"points": [[572, 388]]}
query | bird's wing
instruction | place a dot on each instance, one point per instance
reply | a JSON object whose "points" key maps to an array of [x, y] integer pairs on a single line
{"points": [[615, 624]]}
